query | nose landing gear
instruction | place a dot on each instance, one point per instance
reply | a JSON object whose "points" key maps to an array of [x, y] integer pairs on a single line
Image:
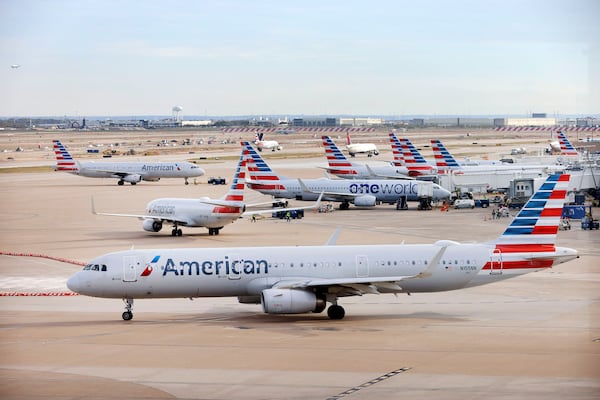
{"points": [[128, 314]]}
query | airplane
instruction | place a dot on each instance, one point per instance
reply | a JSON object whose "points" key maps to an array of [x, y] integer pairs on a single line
{"points": [[205, 212], [265, 144], [303, 279], [566, 148], [132, 172], [354, 148], [446, 162], [341, 167], [360, 192], [15, 66], [405, 153]]}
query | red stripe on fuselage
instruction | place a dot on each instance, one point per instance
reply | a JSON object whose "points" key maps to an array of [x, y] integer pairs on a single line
{"points": [[521, 264], [525, 248]]}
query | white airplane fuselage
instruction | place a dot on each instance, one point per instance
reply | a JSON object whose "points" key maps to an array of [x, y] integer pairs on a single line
{"points": [[195, 212], [356, 148], [247, 271], [148, 171], [385, 191]]}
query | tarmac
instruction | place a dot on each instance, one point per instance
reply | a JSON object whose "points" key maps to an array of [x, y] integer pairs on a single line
{"points": [[536, 336]]}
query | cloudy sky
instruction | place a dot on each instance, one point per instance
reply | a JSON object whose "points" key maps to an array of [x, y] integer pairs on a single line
{"points": [[237, 57]]}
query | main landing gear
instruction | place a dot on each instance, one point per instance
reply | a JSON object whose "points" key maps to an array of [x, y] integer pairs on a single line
{"points": [[336, 312], [344, 205], [213, 231], [176, 232], [128, 314]]}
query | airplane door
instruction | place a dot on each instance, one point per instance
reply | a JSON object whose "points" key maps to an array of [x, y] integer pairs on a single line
{"points": [[362, 266], [130, 268], [496, 262]]}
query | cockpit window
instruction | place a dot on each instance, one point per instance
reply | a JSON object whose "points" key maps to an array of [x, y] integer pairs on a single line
{"points": [[95, 267]]}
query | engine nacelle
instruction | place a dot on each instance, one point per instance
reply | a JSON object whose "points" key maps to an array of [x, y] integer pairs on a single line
{"points": [[133, 178], [290, 301], [151, 225], [366, 200]]}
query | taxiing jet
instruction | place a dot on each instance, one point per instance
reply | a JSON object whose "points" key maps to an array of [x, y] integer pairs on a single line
{"points": [[265, 144], [406, 154], [303, 279], [204, 212], [341, 167], [354, 148], [131, 172], [360, 192]]}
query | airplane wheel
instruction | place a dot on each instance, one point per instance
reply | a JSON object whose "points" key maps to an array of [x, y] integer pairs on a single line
{"points": [[174, 232], [336, 312], [120, 183], [179, 232], [133, 183], [127, 315]]}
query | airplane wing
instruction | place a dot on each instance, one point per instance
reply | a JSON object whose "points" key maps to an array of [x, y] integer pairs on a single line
{"points": [[360, 286], [330, 195], [183, 222], [384, 176], [316, 204]]}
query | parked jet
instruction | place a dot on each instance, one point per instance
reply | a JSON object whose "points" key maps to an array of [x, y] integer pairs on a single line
{"points": [[132, 172], [303, 279], [405, 153], [354, 148], [265, 144], [341, 167], [204, 212], [446, 162], [566, 148], [360, 192]]}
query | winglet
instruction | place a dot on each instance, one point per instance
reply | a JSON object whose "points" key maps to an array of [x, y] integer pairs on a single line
{"points": [[334, 236]]}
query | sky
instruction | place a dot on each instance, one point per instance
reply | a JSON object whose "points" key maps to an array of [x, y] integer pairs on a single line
{"points": [[238, 57]]}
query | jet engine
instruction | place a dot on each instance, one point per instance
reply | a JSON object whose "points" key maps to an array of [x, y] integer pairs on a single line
{"points": [[365, 201], [291, 301], [133, 178], [151, 225]]}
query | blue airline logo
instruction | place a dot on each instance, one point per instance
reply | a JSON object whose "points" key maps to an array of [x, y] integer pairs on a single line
{"points": [[377, 188], [226, 266]]}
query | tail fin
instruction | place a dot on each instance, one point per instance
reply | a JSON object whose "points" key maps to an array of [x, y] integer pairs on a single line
{"points": [[529, 241], [414, 161], [236, 190], [444, 161], [260, 175], [337, 161], [64, 161], [566, 148]]}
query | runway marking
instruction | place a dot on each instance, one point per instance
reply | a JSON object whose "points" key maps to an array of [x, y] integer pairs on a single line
{"points": [[369, 383]]}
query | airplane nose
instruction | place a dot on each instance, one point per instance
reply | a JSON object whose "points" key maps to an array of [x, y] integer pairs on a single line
{"points": [[73, 283]]}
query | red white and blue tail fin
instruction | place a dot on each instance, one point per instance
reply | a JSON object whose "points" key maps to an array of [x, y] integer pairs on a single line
{"points": [[528, 244], [404, 151], [444, 161], [337, 161], [236, 191], [64, 161], [566, 148], [260, 175]]}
